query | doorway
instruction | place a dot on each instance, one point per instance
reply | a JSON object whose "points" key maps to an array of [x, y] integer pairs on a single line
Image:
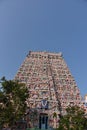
{"points": [[43, 121]]}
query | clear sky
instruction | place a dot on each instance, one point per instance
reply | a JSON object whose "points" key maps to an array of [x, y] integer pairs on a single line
{"points": [[44, 25]]}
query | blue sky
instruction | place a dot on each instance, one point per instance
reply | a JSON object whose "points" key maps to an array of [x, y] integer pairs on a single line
{"points": [[44, 25]]}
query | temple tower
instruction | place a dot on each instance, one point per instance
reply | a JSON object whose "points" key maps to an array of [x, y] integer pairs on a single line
{"points": [[51, 87]]}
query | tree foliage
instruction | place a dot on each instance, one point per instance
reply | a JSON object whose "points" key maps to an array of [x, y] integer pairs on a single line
{"points": [[74, 120], [13, 97]]}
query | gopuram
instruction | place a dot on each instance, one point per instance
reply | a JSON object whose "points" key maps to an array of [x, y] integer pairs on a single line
{"points": [[51, 88]]}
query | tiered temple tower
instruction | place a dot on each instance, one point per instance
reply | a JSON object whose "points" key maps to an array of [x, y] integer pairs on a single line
{"points": [[51, 87]]}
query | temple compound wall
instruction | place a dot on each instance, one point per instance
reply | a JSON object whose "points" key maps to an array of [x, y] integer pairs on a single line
{"points": [[51, 88]]}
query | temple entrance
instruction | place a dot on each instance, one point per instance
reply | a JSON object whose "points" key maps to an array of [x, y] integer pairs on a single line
{"points": [[43, 121]]}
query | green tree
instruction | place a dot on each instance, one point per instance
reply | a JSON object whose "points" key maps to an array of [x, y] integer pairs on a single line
{"points": [[74, 119], [13, 97]]}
